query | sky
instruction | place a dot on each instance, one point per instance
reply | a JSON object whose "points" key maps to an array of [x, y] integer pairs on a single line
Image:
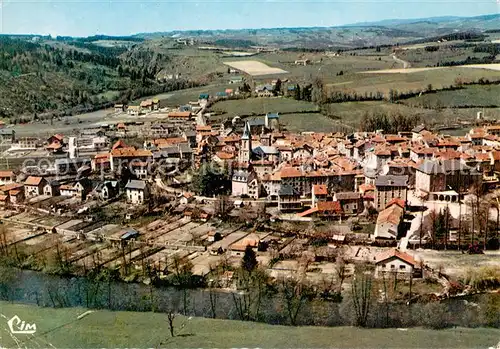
{"points": [[125, 17]]}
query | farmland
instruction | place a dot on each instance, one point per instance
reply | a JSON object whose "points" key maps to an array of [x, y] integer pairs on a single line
{"points": [[470, 96], [62, 328], [416, 80], [261, 106], [255, 68]]}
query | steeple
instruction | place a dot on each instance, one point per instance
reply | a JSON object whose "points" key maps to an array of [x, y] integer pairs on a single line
{"points": [[246, 144], [246, 132]]}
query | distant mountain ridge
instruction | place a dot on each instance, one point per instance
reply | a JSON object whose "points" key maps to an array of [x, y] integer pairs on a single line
{"points": [[385, 32]]}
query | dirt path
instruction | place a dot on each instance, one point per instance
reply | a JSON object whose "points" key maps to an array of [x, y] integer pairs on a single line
{"points": [[405, 64]]}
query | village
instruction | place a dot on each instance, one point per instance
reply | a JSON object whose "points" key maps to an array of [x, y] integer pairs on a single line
{"points": [[163, 183]]}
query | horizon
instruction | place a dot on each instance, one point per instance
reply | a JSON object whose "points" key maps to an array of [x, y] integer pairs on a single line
{"points": [[78, 19]]}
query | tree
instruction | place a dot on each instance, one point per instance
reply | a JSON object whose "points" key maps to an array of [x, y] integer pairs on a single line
{"points": [[249, 261], [297, 92], [317, 91], [361, 292], [183, 278], [277, 87], [171, 325], [341, 271], [252, 288], [295, 293], [211, 180]]}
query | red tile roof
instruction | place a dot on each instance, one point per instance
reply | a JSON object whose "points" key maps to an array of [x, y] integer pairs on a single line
{"points": [[5, 174], [32, 180], [119, 144], [289, 172], [179, 114], [393, 252], [320, 189]]}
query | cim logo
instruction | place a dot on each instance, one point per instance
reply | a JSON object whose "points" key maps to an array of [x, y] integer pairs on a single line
{"points": [[17, 326]]}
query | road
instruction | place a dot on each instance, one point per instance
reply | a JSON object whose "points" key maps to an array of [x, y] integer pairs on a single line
{"points": [[405, 64]]}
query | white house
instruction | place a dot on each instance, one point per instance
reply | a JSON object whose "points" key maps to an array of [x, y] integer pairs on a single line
{"points": [[245, 183], [388, 220], [7, 177], [136, 191], [394, 261]]}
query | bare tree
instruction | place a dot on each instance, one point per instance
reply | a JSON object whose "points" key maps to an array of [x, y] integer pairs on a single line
{"points": [[182, 269], [361, 292], [213, 297], [295, 293], [171, 325], [340, 271], [252, 288]]}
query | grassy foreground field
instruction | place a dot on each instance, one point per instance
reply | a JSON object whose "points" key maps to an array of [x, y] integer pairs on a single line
{"points": [[58, 328]]}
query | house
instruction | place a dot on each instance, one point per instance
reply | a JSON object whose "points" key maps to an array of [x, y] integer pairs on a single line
{"points": [[266, 153], [7, 177], [272, 185], [351, 202], [394, 261], [83, 187], [214, 236], [319, 192], [52, 188], [272, 121], [221, 95], [238, 248], [146, 105], [68, 190], [264, 90], [180, 115], [186, 198], [389, 220], [119, 108], [441, 175], [388, 188], [136, 192], [107, 190], [203, 98], [245, 182], [57, 138], [236, 80], [34, 186], [26, 143], [289, 199], [324, 210], [16, 196], [133, 110], [7, 135], [4, 200], [416, 132], [303, 62]]}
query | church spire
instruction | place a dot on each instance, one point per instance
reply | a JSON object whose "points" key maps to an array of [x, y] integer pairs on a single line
{"points": [[246, 132]]}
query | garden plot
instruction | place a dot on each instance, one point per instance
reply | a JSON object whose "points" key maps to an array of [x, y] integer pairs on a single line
{"points": [[179, 235], [203, 263]]}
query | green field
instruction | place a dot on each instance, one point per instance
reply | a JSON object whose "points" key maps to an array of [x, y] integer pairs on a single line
{"points": [[58, 328], [261, 106], [471, 96], [362, 83]]}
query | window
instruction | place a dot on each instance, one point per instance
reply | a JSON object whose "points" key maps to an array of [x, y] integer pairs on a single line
{"points": [[392, 266], [402, 267]]}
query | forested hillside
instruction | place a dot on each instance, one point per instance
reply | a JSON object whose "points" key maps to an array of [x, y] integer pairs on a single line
{"points": [[59, 77]]}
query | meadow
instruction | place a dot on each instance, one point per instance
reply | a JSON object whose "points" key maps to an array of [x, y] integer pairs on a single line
{"points": [[68, 329], [261, 106], [470, 96]]}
